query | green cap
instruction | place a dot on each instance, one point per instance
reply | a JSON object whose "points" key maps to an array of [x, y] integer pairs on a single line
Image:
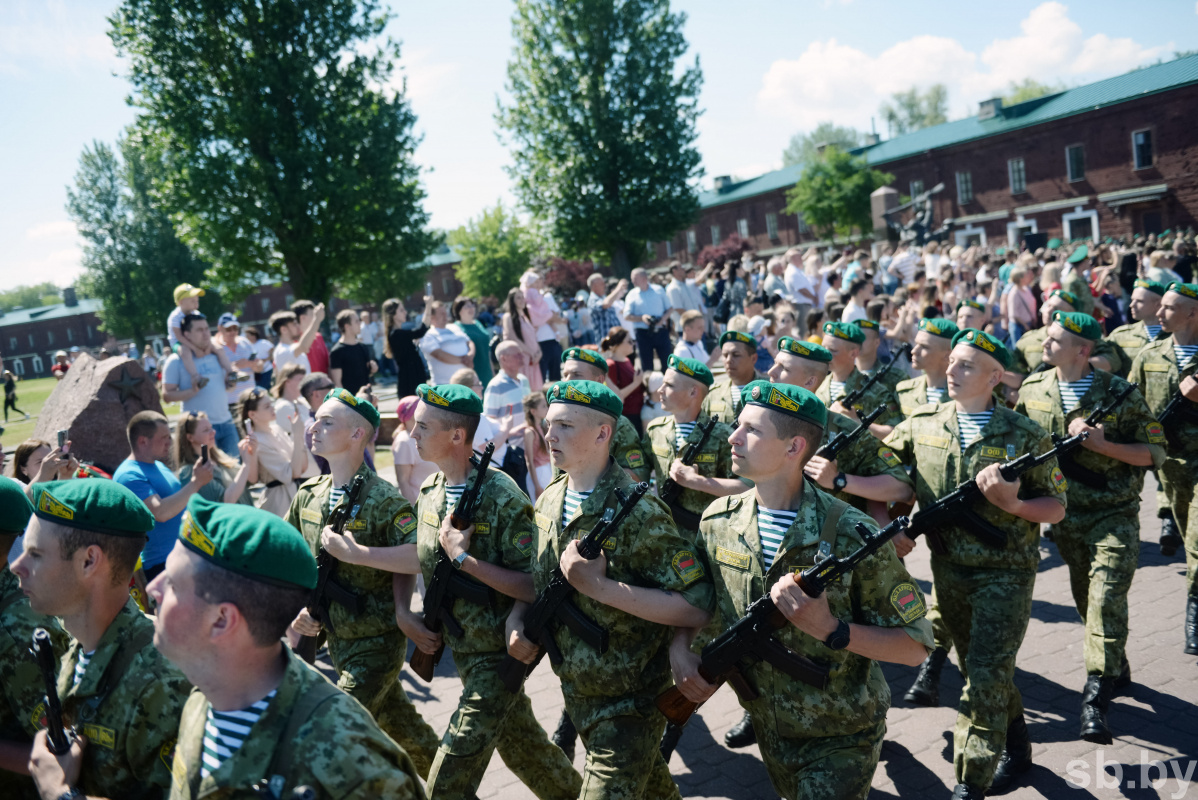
{"points": [[867, 325], [1078, 324], [1068, 297], [971, 304], [793, 400], [588, 394], [451, 397], [738, 336], [363, 407], [585, 356], [1152, 286], [1079, 255], [939, 327], [807, 350], [99, 506], [691, 368], [1053, 243], [844, 330], [248, 541], [15, 508], [1189, 290], [986, 343]]}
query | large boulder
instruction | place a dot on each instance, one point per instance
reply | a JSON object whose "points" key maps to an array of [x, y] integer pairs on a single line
{"points": [[94, 402]]}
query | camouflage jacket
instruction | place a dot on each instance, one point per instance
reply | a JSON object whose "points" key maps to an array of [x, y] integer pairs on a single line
{"points": [[892, 378], [1029, 352], [626, 450], [878, 395], [336, 749], [648, 551], [384, 520], [1130, 339], [20, 679], [719, 400], [127, 705], [878, 592], [866, 457], [1075, 283], [714, 461], [929, 441], [1156, 370], [913, 393], [503, 535], [1130, 423]]}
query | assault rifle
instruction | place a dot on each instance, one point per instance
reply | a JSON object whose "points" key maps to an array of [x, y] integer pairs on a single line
{"points": [[852, 398], [1180, 409], [670, 490], [750, 640], [837, 444], [956, 507], [58, 738], [553, 604], [447, 583], [1075, 471]]}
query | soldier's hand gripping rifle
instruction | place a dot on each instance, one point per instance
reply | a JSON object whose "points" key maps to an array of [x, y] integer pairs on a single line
{"points": [[447, 584], [670, 490], [553, 604], [1075, 471], [838, 443], [854, 397], [751, 640], [58, 738], [328, 590], [957, 507]]}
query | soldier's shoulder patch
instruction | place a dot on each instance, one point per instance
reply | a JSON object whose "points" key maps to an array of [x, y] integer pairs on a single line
{"points": [[482, 529], [522, 541], [908, 602], [992, 452], [166, 754], [635, 458], [888, 457], [1058, 480], [405, 521], [429, 518], [733, 559], [688, 567], [356, 525], [705, 458], [1156, 434], [100, 736]]}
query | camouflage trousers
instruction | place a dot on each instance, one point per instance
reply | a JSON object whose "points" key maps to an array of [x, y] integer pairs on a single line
{"points": [[820, 768], [986, 612], [1177, 479], [1102, 550], [940, 634], [622, 736], [368, 670], [490, 718]]}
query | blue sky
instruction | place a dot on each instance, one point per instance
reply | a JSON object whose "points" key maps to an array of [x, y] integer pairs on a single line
{"points": [[771, 69]]}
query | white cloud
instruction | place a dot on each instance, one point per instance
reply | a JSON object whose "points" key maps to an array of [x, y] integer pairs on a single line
{"points": [[58, 229], [60, 266], [427, 79], [39, 35]]}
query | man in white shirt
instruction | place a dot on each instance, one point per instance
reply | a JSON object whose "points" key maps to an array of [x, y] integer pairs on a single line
{"points": [[294, 341], [445, 349], [647, 307], [503, 399], [799, 290], [241, 356], [682, 293]]}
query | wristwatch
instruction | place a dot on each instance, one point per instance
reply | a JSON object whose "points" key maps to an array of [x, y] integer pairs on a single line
{"points": [[72, 793], [459, 559], [839, 639], [840, 481]]}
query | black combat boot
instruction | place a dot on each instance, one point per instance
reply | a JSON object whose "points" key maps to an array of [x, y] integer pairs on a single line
{"points": [[670, 740], [565, 735], [926, 689], [1096, 699], [966, 792], [1016, 757], [1170, 538], [1192, 626], [741, 734], [1124, 679]]}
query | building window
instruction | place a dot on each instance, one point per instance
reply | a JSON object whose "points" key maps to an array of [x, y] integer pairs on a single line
{"points": [[669, 247], [1075, 162], [70, 334], [692, 241], [742, 227], [802, 224], [771, 225], [12, 343], [1080, 225], [1018, 230], [916, 188], [964, 188], [649, 249], [1141, 145], [715, 234], [265, 301], [50, 337], [38, 367], [1017, 176], [19, 366], [32, 344]]}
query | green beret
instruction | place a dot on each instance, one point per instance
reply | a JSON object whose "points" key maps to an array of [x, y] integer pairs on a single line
{"points": [[1053, 243], [691, 368], [867, 325], [249, 541], [451, 397], [1078, 324], [1189, 290], [96, 505], [585, 356], [986, 343], [807, 350], [588, 394], [844, 330], [1079, 255], [971, 304], [939, 327], [793, 400], [15, 508], [363, 407], [1152, 286], [1068, 297], [738, 336]]}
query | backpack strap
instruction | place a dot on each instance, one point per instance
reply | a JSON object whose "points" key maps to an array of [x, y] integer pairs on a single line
{"points": [[304, 708], [827, 534]]}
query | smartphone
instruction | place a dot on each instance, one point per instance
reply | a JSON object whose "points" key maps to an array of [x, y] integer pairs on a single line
{"points": [[62, 439], [204, 454], [249, 427], [428, 288]]}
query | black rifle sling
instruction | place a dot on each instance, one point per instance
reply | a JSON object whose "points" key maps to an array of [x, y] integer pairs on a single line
{"points": [[305, 706]]}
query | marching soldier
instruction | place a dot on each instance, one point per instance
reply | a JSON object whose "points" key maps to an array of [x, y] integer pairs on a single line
{"points": [[1099, 540], [985, 594], [816, 743], [646, 580], [260, 723], [843, 340], [1029, 350], [116, 689], [1163, 368], [1073, 280], [362, 644], [972, 314], [580, 364], [738, 350], [867, 360], [929, 356]]}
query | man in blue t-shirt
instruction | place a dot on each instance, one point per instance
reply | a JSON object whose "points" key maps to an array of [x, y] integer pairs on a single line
{"points": [[647, 305], [177, 386], [145, 474]]}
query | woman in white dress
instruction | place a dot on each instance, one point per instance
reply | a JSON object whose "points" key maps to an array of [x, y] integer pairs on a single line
{"points": [[282, 456], [536, 449]]}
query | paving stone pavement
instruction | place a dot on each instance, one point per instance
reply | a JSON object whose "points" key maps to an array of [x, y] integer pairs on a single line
{"points": [[1155, 720]]}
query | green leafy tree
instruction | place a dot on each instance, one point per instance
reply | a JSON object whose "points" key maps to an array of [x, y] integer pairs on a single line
{"points": [[495, 249], [911, 110], [602, 124], [833, 193], [289, 157], [1029, 89], [32, 296], [804, 148]]}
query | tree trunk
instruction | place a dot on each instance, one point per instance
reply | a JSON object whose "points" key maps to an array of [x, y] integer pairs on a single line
{"points": [[621, 264]]}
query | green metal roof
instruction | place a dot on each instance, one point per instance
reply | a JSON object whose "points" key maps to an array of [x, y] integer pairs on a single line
{"points": [[778, 179], [442, 255], [39, 313]]}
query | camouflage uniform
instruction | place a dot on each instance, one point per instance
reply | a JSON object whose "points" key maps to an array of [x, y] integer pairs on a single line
{"points": [[367, 649], [912, 393], [816, 743], [866, 457], [311, 735], [985, 594], [715, 460], [719, 400], [1029, 352], [878, 395], [892, 378], [1074, 283], [489, 717], [127, 705], [1100, 538], [626, 450], [1130, 339], [610, 697]]}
